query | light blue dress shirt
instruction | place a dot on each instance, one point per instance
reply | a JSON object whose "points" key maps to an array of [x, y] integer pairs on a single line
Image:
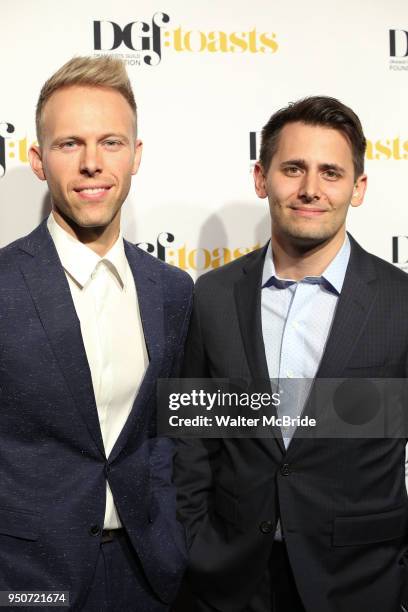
{"points": [[296, 321]]}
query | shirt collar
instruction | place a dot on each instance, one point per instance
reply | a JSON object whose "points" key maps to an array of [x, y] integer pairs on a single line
{"points": [[332, 277], [79, 261]]}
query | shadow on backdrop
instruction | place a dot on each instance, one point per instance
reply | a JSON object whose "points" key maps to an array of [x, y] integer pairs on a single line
{"points": [[237, 228]]}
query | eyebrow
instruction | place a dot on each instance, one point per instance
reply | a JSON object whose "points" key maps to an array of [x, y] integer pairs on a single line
{"points": [[301, 163]]}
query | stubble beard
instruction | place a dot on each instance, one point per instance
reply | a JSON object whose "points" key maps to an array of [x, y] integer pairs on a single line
{"points": [[302, 236]]}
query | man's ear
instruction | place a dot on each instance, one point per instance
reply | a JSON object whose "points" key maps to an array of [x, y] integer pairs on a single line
{"points": [[260, 181], [137, 156], [359, 190], [35, 157]]}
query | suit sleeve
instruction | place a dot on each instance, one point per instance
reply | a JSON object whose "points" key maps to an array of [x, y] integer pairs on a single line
{"points": [[162, 449], [196, 459], [179, 356]]}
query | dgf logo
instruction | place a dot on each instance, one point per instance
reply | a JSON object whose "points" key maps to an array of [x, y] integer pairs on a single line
{"points": [[398, 43], [136, 36], [5, 130], [146, 39], [400, 250]]}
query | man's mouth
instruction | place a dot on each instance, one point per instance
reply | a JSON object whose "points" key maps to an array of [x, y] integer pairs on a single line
{"points": [[94, 189], [308, 211], [94, 192]]}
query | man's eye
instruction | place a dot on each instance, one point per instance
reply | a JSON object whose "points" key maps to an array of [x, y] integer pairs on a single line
{"points": [[69, 144], [292, 170], [112, 143], [331, 174]]}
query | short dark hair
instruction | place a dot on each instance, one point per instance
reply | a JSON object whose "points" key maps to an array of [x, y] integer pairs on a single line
{"points": [[315, 110]]}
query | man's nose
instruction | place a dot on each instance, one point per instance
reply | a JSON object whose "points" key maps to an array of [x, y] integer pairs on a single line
{"points": [[91, 160], [310, 187]]}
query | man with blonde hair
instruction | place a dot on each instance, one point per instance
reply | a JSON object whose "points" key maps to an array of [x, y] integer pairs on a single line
{"points": [[88, 322]]}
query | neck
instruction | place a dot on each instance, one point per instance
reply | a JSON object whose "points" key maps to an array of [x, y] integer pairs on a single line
{"points": [[296, 262], [99, 239]]}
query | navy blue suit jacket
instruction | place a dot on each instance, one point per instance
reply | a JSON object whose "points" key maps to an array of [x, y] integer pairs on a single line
{"points": [[53, 467]]}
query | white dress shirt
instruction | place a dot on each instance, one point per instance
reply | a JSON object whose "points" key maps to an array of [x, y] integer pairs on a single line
{"points": [[105, 300]]}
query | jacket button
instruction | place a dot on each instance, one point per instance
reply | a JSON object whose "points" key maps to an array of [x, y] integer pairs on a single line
{"points": [[285, 469], [106, 469], [95, 530], [266, 527]]}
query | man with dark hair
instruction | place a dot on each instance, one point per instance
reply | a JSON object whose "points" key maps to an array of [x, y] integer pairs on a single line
{"points": [[292, 524], [321, 111], [88, 322]]}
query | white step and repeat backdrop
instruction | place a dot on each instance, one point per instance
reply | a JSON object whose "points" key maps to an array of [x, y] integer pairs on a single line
{"points": [[207, 75]]}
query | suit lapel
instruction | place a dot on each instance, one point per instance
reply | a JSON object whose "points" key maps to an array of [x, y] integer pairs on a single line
{"points": [[146, 274], [248, 302], [49, 289], [149, 291], [353, 309], [355, 302]]}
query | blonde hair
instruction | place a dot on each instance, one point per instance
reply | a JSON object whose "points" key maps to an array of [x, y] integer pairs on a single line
{"points": [[105, 71]]}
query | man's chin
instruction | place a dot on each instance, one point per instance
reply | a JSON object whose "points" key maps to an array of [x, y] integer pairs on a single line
{"points": [[91, 222], [306, 240]]}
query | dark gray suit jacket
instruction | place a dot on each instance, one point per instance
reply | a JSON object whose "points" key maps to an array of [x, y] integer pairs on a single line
{"points": [[342, 502]]}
